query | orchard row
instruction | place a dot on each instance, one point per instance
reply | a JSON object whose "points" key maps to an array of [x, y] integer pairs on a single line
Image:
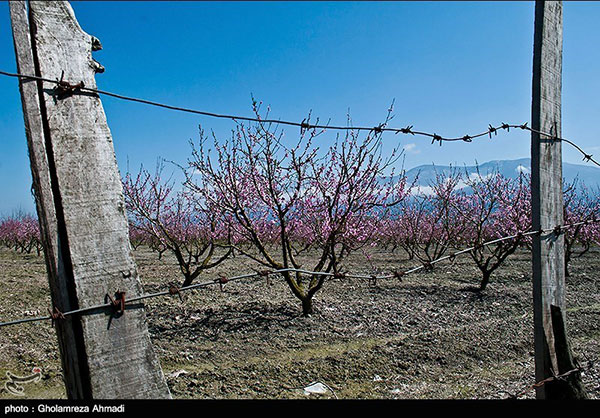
{"points": [[260, 197], [254, 196]]}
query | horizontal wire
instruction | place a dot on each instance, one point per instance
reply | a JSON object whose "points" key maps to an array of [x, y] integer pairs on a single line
{"points": [[301, 271], [305, 125]]}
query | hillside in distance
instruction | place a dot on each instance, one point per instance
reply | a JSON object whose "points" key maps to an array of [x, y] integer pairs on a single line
{"points": [[587, 174]]}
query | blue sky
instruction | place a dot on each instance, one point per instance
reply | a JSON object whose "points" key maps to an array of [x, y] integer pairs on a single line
{"points": [[452, 68]]}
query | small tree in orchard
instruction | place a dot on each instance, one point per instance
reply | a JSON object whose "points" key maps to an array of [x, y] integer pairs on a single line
{"points": [[392, 232], [395, 235], [138, 237], [428, 223], [580, 205], [496, 207], [171, 221], [285, 200], [21, 232]]}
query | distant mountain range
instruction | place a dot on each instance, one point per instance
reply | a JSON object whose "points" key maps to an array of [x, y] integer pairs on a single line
{"points": [[586, 174]]}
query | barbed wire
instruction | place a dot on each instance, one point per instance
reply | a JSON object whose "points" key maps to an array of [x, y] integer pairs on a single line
{"points": [[64, 88], [120, 304]]}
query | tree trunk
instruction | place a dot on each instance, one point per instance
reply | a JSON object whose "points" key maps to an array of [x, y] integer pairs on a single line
{"points": [[307, 306], [187, 281], [485, 280]]}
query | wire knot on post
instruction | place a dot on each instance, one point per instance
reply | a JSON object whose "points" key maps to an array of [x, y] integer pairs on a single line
{"points": [[557, 230], [55, 314], [118, 303], [65, 89], [339, 275]]}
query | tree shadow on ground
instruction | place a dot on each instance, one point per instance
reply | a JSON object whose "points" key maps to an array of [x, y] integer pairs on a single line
{"points": [[248, 318]]}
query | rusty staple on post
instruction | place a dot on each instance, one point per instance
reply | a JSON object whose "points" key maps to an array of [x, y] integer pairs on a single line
{"points": [[398, 274], [64, 88], [55, 314], [118, 304]]}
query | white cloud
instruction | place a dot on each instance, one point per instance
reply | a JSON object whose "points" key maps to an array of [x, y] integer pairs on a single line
{"points": [[412, 148], [422, 190]]}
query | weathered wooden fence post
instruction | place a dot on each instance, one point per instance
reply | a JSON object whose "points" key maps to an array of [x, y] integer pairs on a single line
{"points": [[81, 209], [552, 352]]}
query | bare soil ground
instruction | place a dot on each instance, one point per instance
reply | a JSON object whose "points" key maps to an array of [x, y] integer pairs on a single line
{"points": [[427, 337]]}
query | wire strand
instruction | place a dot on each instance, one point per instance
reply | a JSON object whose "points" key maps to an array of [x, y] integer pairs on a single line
{"points": [[408, 130]]}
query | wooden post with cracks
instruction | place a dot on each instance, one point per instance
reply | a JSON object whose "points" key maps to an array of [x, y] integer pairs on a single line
{"points": [[552, 352], [80, 205]]}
